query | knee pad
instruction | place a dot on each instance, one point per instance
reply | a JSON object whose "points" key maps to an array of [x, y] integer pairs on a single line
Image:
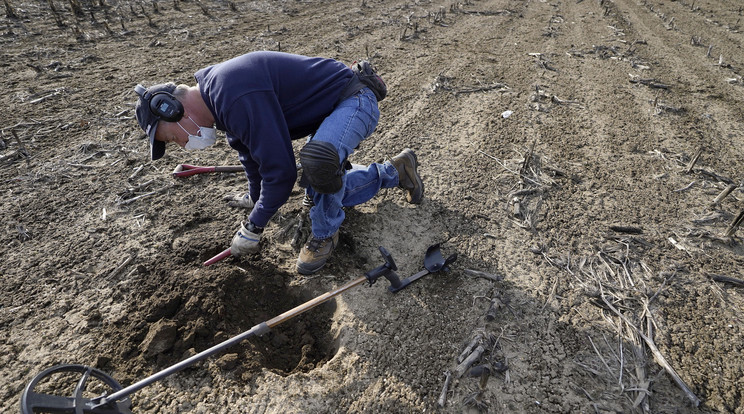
{"points": [[321, 168]]}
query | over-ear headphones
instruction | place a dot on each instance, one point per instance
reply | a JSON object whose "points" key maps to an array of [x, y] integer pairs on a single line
{"points": [[162, 104]]}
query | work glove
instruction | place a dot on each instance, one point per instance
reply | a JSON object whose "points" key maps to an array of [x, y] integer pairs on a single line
{"points": [[246, 240], [240, 201]]}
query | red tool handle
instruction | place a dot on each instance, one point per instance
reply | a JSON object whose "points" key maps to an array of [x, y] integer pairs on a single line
{"points": [[186, 170], [224, 254]]}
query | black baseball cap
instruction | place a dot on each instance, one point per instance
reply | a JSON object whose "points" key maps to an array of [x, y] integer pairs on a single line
{"points": [[147, 119]]}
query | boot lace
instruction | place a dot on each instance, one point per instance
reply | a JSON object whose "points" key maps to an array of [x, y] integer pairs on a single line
{"points": [[316, 244]]}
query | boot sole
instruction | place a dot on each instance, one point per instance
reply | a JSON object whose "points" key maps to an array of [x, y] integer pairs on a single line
{"points": [[305, 269]]}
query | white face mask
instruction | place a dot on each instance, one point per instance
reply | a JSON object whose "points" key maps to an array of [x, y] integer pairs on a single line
{"points": [[207, 137]]}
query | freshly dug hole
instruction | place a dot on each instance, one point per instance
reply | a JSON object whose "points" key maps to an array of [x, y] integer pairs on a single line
{"points": [[180, 314]]}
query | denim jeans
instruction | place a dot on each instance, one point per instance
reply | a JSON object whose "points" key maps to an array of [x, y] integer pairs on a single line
{"points": [[353, 120]]}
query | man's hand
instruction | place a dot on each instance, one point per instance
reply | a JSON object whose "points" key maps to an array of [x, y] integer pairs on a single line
{"points": [[240, 201], [246, 240]]}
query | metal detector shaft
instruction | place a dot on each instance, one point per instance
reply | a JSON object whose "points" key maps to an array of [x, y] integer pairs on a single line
{"points": [[259, 329]]}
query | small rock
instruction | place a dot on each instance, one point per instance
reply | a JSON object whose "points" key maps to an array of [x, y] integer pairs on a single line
{"points": [[160, 338], [227, 362]]}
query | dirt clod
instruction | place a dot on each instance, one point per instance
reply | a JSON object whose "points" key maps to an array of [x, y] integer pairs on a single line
{"points": [[160, 337]]}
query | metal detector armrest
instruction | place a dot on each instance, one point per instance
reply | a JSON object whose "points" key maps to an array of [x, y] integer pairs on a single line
{"points": [[387, 270]]}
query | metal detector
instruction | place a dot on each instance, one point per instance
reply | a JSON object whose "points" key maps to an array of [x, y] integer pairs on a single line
{"points": [[118, 401]]}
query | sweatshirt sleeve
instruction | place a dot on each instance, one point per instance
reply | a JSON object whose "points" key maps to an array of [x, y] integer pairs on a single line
{"points": [[257, 121], [251, 172]]}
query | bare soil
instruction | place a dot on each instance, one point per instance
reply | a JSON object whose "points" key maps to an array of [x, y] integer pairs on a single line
{"points": [[571, 149]]}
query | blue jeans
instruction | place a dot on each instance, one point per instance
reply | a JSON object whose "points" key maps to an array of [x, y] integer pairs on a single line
{"points": [[353, 120]]}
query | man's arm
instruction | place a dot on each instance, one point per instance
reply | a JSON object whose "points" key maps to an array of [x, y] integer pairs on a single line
{"points": [[251, 172], [257, 122]]}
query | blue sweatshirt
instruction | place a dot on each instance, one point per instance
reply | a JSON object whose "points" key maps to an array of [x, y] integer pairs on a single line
{"points": [[263, 100]]}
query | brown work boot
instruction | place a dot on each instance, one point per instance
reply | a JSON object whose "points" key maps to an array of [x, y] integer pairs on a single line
{"points": [[315, 254], [408, 177]]}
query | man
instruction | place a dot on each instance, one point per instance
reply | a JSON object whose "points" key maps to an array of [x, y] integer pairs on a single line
{"points": [[263, 101]]}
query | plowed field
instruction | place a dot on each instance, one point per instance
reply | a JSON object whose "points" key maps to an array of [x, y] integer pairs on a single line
{"points": [[575, 155]]}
